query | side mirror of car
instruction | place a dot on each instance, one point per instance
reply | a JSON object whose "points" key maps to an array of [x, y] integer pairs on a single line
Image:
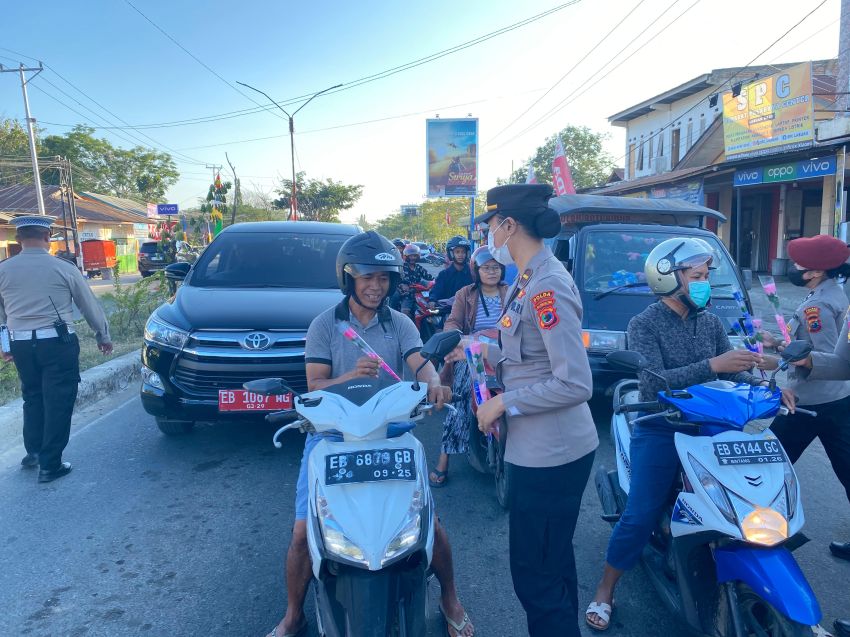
{"points": [[177, 271], [627, 360], [268, 387], [796, 351], [440, 345]]}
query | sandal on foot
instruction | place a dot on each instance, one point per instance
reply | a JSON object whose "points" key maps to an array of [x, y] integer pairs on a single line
{"points": [[603, 611], [300, 631], [442, 478], [457, 627]]}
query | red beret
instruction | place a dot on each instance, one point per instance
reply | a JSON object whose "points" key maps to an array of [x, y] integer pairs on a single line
{"points": [[818, 253]]}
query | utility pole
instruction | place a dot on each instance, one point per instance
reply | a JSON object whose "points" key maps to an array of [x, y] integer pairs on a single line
{"points": [[293, 198], [843, 80], [235, 191], [30, 128]]}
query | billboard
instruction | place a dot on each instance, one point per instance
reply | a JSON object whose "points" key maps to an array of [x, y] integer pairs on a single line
{"points": [[771, 115], [410, 210], [451, 147]]}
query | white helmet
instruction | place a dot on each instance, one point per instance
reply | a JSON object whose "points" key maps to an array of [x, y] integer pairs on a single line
{"points": [[671, 256]]}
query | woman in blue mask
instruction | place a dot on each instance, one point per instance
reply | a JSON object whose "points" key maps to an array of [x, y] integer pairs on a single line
{"points": [[685, 345]]}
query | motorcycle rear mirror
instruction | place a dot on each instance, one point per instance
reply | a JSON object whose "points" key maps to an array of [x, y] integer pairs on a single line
{"points": [[627, 360], [796, 351], [268, 387], [440, 345]]}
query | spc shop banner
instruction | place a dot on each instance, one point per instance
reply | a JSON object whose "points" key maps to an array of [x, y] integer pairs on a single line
{"points": [[452, 157], [562, 178]]}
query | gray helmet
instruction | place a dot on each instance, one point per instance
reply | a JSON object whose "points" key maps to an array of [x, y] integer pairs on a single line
{"points": [[671, 256]]}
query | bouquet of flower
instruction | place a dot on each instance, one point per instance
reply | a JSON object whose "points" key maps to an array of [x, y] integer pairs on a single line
{"points": [[475, 361], [768, 284], [348, 332]]}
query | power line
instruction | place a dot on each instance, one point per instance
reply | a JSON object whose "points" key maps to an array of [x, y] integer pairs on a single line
{"points": [[357, 82], [194, 57], [737, 73], [584, 85], [571, 69]]}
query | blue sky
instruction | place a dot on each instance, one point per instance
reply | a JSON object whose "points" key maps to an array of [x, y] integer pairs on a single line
{"points": [[287, 49]]}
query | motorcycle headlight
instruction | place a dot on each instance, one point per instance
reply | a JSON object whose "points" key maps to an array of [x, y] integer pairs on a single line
{"points": [[162, 333], [603, 341], [408, 534], [765, 526], [337, 542], [714, 490]]}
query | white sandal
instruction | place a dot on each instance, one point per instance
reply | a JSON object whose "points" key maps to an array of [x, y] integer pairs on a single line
{"points": [[603, 611]]}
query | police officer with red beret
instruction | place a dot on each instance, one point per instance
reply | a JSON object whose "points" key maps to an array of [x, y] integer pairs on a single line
{"points": [[819, 263]]}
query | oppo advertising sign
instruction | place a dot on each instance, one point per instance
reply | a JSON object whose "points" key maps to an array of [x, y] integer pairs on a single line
{"points": [[791, 171]]}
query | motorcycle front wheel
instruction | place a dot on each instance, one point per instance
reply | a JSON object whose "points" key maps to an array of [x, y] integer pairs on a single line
{"points": [[760, 618]]}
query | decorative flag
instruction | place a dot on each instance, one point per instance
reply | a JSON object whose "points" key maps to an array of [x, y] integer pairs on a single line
{"points": [[448, 218], [218, 182], [562, 179], [531, 178]]}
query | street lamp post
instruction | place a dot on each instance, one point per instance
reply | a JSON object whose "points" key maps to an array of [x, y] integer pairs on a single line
{"points": [[293, 208]]}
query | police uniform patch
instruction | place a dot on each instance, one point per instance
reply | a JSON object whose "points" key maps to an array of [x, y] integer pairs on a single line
{"points": [[813, 321], [521, 294], [506, 321], [544, 305]]}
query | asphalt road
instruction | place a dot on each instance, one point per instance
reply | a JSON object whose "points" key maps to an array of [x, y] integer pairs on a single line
{"points": [[159, 536], [100, 286]]}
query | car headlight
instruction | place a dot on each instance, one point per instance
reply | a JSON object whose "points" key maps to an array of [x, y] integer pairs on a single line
{"points": [[765, 526], [162, 333], [337, 542], [408, 534], [603, 341], [714, 490]]}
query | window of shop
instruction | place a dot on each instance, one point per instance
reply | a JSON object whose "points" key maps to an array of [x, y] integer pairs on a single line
{"points": [[675, 142]]}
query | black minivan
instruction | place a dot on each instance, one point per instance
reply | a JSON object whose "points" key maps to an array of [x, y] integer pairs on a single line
{"points": [[241, 313], [604, 243]]}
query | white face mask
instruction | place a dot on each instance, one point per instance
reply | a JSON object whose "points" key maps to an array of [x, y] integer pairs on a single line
{"points": [[501, 254]]}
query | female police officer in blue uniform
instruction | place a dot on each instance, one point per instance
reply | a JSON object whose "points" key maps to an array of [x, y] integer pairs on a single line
{"points": [[551, 437]]}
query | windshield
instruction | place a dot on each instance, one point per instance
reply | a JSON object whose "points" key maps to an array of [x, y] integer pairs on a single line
{"points": [[266, 259], [614, 259]]}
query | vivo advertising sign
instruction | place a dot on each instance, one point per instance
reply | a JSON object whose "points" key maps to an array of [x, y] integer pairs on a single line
{"points": [[791, 171]]}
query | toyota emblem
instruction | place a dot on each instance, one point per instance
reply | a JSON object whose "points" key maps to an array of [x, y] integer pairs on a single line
{"points": [[256, 341]]}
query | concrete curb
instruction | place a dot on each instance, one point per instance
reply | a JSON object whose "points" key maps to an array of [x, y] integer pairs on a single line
{"points": [[97, 382]]}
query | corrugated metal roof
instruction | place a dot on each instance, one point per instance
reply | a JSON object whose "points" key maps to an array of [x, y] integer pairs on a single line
{"points": [[21, 200], [127, 205]]}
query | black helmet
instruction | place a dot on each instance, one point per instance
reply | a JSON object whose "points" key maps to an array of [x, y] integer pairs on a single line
{"points": [[399, 242], [457, 242], [366, 253]]}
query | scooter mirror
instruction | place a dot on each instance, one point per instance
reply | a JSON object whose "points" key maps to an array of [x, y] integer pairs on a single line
{"points": [[268, 387], [440, 345], [627, 360], [796, 351]]}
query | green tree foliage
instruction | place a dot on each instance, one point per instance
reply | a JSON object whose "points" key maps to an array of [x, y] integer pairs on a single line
{"points": [[13, 143], [137, 173], [318, 200], [590, 165], [430, 225], [364, 223]]}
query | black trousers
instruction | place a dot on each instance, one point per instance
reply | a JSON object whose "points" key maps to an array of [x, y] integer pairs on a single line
{"points": [[832, 425], [544, 505], [50, 373]]}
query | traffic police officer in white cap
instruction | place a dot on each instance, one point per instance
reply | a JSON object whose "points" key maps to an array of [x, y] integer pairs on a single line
{"points": [[36, 295]]}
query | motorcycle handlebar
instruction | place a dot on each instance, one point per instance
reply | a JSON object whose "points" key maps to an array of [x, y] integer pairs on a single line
{"points": [[799, 410], [650, 406], [282, 417]]}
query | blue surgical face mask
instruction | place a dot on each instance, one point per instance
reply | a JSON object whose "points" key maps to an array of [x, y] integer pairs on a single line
{"points": [[699, 293]]}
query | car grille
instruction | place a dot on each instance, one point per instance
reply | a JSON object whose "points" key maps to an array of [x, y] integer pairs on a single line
{"points": [[211, 361]]}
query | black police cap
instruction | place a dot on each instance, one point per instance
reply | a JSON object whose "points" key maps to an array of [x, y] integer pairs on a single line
{"points": [[516, 199]]}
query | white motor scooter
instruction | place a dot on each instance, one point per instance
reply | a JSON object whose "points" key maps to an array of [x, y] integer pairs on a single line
{"points": [[370, 519], [719, 556]]}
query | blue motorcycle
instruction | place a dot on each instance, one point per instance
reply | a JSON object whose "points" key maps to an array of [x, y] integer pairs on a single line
{"points": [[720, 557]]}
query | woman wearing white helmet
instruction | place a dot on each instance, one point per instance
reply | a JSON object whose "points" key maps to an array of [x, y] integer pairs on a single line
{"points": [[686, 346]]}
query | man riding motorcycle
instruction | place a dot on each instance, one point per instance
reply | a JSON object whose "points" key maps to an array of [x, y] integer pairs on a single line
{"points": [[685, 345], [457, 274], [367, 268], [411, 273]]}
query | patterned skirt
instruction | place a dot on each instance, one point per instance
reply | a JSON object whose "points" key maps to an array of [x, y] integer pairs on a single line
{"points": [[456, 426]]}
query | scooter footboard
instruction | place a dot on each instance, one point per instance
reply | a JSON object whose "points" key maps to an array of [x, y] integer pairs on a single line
{"points": [[774, 575], [366, 603]]}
